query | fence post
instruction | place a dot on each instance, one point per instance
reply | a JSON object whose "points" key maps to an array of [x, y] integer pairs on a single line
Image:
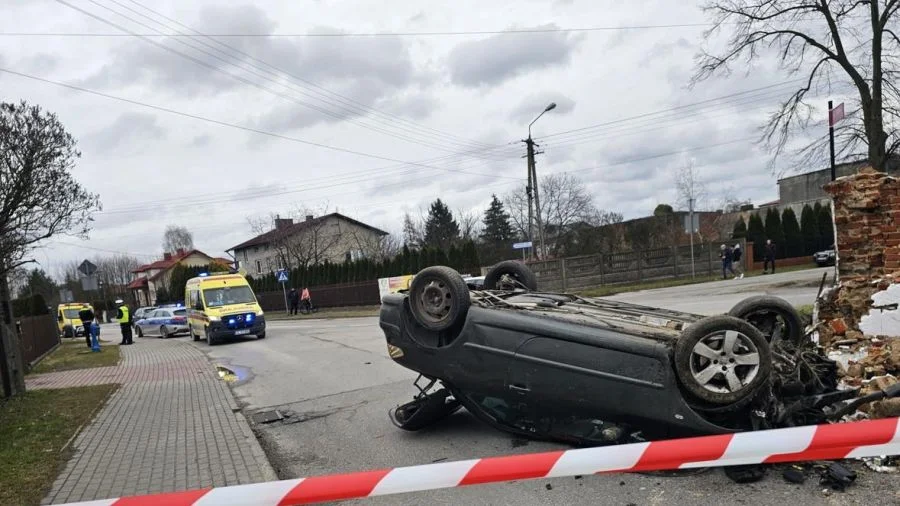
{"points": [[600, 259], [709, 261], [562, 272], [675, 261], [640, 265]]}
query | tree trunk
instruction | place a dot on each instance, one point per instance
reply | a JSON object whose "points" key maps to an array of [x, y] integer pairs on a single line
{"points": [[875, 125], [12, 369]]}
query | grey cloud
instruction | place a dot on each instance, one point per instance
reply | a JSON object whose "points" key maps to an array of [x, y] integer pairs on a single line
{"points": [[533, 104], [418, 17], [40, 63], [201, 141], [317, 59], [126, 130], [500, 57], [411, 104]]}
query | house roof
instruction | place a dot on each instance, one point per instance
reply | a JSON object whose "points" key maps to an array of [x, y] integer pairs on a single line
{"points": [[166, 263], [298, 227], [137, 283]]}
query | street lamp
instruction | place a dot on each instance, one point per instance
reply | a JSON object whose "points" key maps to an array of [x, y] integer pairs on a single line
{"points": [[533, 186]]}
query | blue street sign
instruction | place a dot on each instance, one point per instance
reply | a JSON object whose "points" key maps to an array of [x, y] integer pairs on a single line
{"points": [[522, 245], [282, 276]]}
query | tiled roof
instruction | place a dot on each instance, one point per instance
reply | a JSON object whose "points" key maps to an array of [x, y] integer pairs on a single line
{"points": [[137, 283], [269, 236]]}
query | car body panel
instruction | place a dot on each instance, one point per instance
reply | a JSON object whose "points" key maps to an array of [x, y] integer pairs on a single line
{"points": [[174, 320], [554, 361]]}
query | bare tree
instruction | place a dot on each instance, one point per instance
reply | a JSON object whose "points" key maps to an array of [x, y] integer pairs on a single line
{"points": [[690, 187], [373, 246], [177, 238], [565, 202], [469, 224], [413, 231], [116, 270], [39, 199], [828, 42]]}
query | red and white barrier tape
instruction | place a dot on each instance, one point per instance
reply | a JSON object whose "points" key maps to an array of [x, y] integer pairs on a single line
{"points": [[822, 442]]}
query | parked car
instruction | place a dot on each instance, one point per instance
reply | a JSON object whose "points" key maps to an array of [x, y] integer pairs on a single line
{"points": [[162, 323], [68, 322], [140, 312], [826, 257], [590, 371]]}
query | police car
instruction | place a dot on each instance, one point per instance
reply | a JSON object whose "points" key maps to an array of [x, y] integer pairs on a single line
{"points": [[165, 321]]}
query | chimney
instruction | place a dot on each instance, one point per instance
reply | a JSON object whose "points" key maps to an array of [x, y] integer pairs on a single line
{"points": [[309, 217], [283, 222], [167, 256]]}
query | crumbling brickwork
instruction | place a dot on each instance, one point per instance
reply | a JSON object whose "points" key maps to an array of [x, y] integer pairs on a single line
{"points": [[867, 223]]}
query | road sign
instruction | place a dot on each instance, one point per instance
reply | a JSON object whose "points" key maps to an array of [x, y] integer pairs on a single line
{"points": [[87, 268], [89, 283], [282, 276], [522, 245]]}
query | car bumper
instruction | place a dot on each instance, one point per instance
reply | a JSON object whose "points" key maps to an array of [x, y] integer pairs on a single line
{"points": [[177, 329], [219, 330]]}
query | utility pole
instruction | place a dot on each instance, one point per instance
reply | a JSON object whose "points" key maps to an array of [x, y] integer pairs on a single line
{"points": [[532, 189], [691, 218], [831, 139]]}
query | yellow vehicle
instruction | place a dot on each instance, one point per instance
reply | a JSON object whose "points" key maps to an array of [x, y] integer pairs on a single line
{"points": [[67, 320], [221, 306]]}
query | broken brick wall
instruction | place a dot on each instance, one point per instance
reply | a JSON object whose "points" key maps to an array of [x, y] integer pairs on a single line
{"points": [[867, 236]]}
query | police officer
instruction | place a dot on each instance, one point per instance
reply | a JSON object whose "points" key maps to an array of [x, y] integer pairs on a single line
{"points": [[124, 318]]}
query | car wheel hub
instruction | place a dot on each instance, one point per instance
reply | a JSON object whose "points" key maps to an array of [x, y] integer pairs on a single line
{"points": [[725, 362], [436, 300]]}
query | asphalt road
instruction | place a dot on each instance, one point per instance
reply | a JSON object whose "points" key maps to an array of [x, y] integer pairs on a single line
{"points": [[335, 381]]}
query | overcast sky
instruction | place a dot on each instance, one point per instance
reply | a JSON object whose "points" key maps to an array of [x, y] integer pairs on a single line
{"points": [[456, 105]]}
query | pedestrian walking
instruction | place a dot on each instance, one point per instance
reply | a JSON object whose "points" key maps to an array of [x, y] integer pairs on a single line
{"points": [[769, 257], [736, 255], [306, 300], [726, 255], [123, 316], [86, 315], [294, 300]]}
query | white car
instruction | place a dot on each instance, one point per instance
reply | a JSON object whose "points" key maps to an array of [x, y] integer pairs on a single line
{"points": [[162, 323]]}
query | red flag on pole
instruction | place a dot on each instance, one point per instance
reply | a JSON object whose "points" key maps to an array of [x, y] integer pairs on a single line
{"points": [[836, 114]]}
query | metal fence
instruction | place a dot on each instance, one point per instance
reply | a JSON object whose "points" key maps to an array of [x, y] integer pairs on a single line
{"points": [[361, 293], [39, 335], [574, 273]]}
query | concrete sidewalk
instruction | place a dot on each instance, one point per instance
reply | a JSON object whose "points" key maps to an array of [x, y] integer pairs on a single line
{"points": [[173, 425]]}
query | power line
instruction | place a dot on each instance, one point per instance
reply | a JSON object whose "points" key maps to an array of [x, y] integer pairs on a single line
{"points": [[145, 255], [351, 105], [512, 31], [239, 78], [227, 124]]}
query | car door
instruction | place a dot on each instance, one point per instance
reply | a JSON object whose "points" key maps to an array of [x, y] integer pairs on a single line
{"points": [[148, 324]]}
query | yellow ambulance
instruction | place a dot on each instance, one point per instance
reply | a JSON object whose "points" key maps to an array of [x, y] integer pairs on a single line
{"points": [[221, 306], [67, 320]]}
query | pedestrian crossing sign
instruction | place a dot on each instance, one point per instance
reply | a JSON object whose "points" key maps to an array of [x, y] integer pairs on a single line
{"points": [[282, 276]]}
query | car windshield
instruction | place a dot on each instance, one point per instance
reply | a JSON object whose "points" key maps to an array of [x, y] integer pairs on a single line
{"points": [[228, 295], [180, 312], [71, 313]]}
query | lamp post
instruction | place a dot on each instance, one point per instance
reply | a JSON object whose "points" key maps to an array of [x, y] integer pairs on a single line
{"points": [[533, 187]]}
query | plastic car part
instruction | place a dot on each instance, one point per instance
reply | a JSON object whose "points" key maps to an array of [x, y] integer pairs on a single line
{"points": [[722, 360], [438, 298], [424, 410], [510, 275], [773, 316]]}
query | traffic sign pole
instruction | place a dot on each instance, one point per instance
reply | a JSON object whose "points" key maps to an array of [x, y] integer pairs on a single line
{"points": [[283, 278]]}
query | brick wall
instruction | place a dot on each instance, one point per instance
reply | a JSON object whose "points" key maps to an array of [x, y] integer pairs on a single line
{"points": [[867, 231]]}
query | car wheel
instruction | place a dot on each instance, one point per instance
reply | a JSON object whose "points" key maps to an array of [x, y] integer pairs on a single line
{"points": [[438, 298], [773, 316], [722, 360], [194, 337], [138, 331], [68, 332], [261, 335], [210, 339], [510, 274], [163, 332]]}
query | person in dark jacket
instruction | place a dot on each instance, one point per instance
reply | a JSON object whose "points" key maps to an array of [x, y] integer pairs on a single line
{"points": [[736, 256], [727, 261], [86, 315], [123, 316], [769, 257], [294, 300]]}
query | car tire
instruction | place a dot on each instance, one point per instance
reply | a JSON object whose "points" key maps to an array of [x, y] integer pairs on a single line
{"points": [[68, 331], [163, 332], [519, 272], [138, 331], [713, 373], [194, 337], [261, 335], [210, 339], [760, 309], [438, 298]]}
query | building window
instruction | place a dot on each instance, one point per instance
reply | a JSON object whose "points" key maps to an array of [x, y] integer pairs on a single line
{"points": [[258, 267], [245, 255]]}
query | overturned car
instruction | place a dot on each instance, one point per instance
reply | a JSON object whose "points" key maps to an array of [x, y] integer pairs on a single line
{"points": [[591, 371]]}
